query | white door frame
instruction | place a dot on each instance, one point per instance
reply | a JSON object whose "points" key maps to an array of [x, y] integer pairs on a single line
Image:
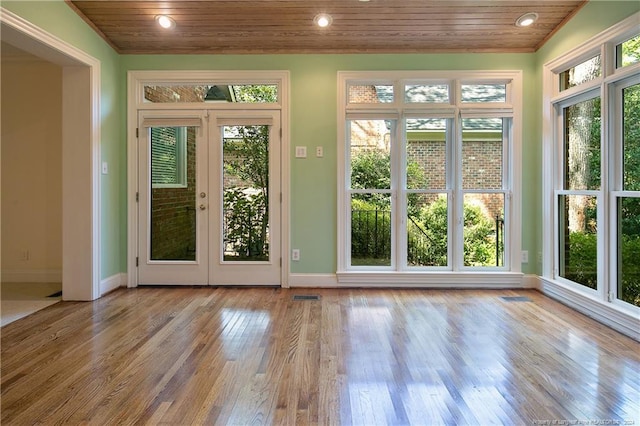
{"points": [[80, 152], [135, 84]]}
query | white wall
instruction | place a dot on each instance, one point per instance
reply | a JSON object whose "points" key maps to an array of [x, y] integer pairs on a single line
{"points": [[31, 169]]}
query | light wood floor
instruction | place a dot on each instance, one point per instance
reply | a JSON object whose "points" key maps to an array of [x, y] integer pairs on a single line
{"points": [[254, 356]]}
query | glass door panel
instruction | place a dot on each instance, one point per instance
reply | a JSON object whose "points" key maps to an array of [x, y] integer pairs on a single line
{"points": [[172, 197], [172, 201], [245, 182], [245, 177]]}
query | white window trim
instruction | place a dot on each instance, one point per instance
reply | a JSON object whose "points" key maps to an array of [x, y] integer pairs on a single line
{"points": [[136, 80], [618, 315], [459, 277]]}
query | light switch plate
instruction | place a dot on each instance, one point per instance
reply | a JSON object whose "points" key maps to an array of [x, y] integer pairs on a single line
{"points": [[301, 152]]}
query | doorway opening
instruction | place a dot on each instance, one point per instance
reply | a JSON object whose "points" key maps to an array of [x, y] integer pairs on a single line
{"points": [[79, 78]]}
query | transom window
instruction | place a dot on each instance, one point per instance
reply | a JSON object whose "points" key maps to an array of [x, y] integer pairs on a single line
{"points": [[211, 92], [426, 183]]}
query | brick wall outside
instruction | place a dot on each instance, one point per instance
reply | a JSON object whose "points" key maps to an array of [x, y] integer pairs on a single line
{"points": [[174, 94], [173, 210], [482, 160], [173, 214], [363, 95], [482, 169]]}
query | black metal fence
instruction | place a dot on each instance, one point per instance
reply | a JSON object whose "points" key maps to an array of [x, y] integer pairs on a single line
{"points": [[371, 240], [371, 234]]}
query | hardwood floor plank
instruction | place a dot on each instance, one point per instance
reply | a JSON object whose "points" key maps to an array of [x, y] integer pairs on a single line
{"points": [[255, 356]]}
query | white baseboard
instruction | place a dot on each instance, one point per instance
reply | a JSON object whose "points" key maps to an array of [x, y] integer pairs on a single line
{"points": [[417, 280], [32, 275], [112, 283], [435, 279], [531, 281], [625, 322], [313, 280]]}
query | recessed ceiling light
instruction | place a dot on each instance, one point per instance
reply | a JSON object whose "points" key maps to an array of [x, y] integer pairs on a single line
{"points": [[165, 21], [323, 20], [526, 19]]}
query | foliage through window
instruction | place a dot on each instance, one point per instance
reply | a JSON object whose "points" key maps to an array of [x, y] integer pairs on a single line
{"points": [[246, 193], [628, 52], [597, 183], [198, 93], [404, 191], [581, 73]]}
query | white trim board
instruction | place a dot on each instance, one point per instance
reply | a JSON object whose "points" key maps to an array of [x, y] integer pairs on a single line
{"points": [[531, 281], [442, 280], [112, 283], [606, 313], [313, 280]]}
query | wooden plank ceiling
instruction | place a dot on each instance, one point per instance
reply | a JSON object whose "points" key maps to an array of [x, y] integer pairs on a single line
{"points": [[286, 26]]}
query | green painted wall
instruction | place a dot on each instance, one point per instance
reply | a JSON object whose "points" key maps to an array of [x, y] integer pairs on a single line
{"points": [[58, 19], [314, 123], [595, 17], [313, 120]]}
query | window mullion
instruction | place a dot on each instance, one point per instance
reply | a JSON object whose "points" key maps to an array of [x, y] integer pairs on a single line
{"points": [[457, 224], [400, 153]]}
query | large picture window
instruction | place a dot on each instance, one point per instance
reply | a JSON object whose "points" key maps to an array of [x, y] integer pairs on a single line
{"points": [[426, 182], [593, 99]]}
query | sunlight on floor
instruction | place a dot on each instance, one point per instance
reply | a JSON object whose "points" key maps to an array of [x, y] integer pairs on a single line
{"points": [[17, 300]]}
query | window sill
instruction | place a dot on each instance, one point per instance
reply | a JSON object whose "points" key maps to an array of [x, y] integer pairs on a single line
{"points": [[612, 315], [434, 279]]}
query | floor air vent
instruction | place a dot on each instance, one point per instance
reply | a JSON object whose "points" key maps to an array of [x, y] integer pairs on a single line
{"points": [[306, 297], [516, 299]]}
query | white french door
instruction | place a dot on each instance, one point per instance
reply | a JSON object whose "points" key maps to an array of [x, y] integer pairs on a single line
{"points": [[244, 175], [209, 197]]}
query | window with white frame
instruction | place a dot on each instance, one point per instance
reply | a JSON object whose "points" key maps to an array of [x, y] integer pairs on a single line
{"points": [[593, 98], [426, 182], [168, 157]]}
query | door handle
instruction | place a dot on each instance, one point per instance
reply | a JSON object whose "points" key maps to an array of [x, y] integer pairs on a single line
{"points": [[203, 207], [203, 195]]}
